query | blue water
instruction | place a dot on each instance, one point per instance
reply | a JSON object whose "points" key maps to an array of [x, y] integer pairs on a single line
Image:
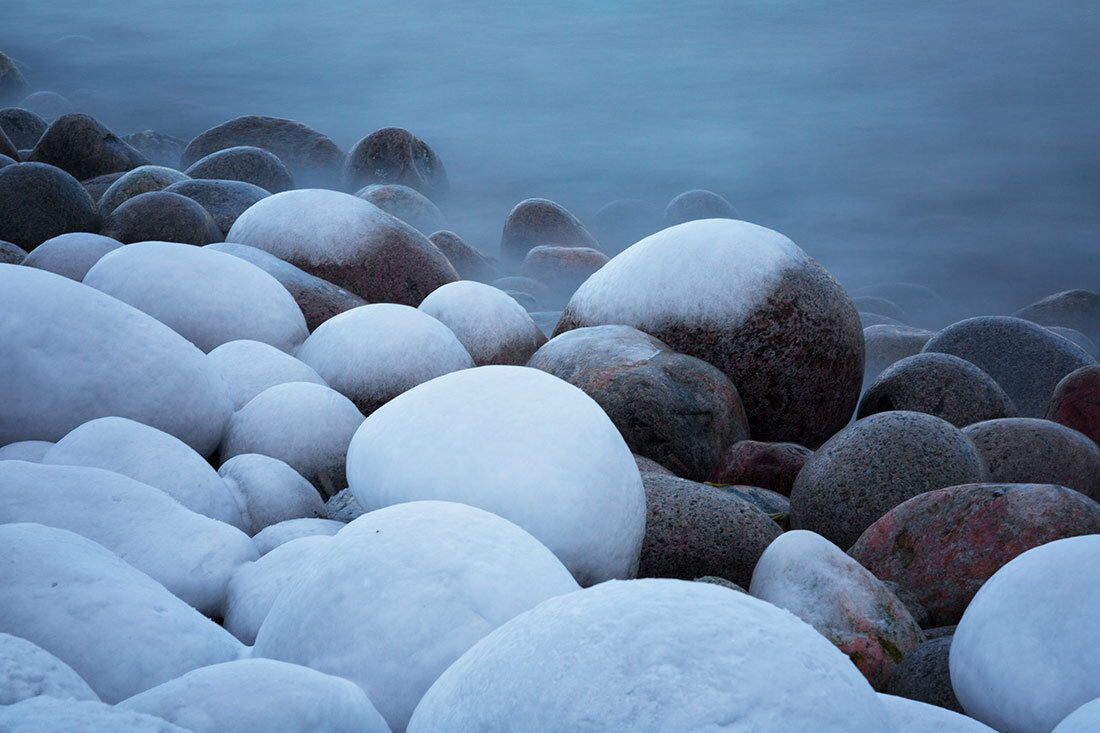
{"points": [[949, 143]]}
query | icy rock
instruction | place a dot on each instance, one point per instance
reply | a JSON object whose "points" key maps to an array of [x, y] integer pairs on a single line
{"points": [[257, 696], [289, 530], [83, 148], [1076, 402], [223, 200], [207, 297], [115, 626], [244, 163], [698, 204], [393, 155], [143, 179], [268, 491], [72, 254], [307, 426], [50, 715], [27, 670], [1085, 719], [191, 555], [407, 204], [773, 466], [517, 442], [390, 611], [72, 354], [813, 579], [738, 295], [919, 717], [373, 353], [347, 241], [255, 586], [343, 507], [534, 222], [1024, 654], [652, 655], [152, 457], [249, 367], [25, 450], [41, 202], [489, 323]]}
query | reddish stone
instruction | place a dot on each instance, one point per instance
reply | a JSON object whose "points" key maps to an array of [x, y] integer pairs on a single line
{"points": [[538, 221], [943, 545], [394, 155], [1076, 402], [772, 466]]}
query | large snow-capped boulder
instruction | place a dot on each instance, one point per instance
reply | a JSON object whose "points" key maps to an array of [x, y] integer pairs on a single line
{"points": [[72, 354], [400, 593], [268, 491], [51, 715], [813, 579], [191, 555], [207, 297], [517, 442], [750, 302], [919, 717], [260, 695], [1024, 654], [493, 327], [652, 655], [72, 254], [373, 353], [289, 530], [115, 626], [249, 367], [152, 457], [27, 670], [307, 426], [347, 241]]}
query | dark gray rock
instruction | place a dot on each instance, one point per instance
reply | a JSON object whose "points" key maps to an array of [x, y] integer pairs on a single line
{"points": [[84, 148], [98, 186], [924, 675], [394, 155], [343, 507], [244, 163], [143, 179], [698, 204], [40, 202], [6, 160], [163, 217], [407, 204], [10, 254], [12, 84], [158, 147], [223, 200], [773, 466], [1076, 309], [539, 221], [1076, 337], [7, 149], [23, 127]]}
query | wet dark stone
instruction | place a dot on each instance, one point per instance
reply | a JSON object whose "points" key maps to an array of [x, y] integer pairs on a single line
{"points": [[10, 254], [534, 222], [698, 204], [1076, 402], [40, 202], [163, 217], [6, 160], [142, 179], [244, 163], [158, 147], [924, 675], [223, 200], [84, 148], [7, 149], [22, 126], [98, 186], [394, 155]]}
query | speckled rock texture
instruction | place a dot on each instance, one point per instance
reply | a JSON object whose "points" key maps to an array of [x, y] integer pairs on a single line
{"points": [[223, 200], [407, 204], [562, 268], [40, 202], [924, 676], [84, 148], [1076, 309], [772, 466], [470, 263], [1076, 402], [143, 179], [246, 163], [22, 126], [163, 217], [394, 155], [535, 222]]}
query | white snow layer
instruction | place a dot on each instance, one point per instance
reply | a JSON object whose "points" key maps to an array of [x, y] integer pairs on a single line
{"points": [[373, 353], [27, 670], [1024, 654], [292, 529], [652, 655], [71, 255], [250, 367], [152, 457], [51, 715], [1085, 719], [493, 327], [25, 450], [268, 491], [910, 716], [260, 696], [703, 271], [517, 442], [119, 629], [207, 297], [191, 555], [401, 593], [72, 354], [612, 346]]}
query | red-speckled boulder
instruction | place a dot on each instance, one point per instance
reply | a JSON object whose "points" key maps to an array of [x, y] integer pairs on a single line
{"points": [[875, 464], [680, 411], [693, 530], [534, 222], [772, 466], [648, 465], [562, 268], [84, 148], [943, 545], [1076, 309], [407, 204], [1076, 402], [813, 579], [394, 155], [467, 260], [1027, 450], [747, 300], [347, 241]]}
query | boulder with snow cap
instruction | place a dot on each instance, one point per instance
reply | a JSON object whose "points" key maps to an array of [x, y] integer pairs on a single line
{"points": [[268, 491], [276, 535], [27, 670], [42, 714], [493, 327], [249, 367], [72, 254]]}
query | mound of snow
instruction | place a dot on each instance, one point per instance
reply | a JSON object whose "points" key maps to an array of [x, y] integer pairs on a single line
{"points": [[152, 457], [401, 593], [116, 627], [71, 255], [50, 715], [72, 354], [191, 555], [250, 367], [292, 529], [652, 655], [1085, 719], [516, 442], [268, 491], [260, 695], [27, 670], [207, 297], [25, 450], [911, 715]]}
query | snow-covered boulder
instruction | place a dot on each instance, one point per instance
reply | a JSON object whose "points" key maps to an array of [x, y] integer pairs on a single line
{"points": [[1024, 654], [72, 354], [71, 255], [27, 670], [373, 353], [152, 457], [51, 715], [191, 555], [399, 594], [307, 426], [268, 491], [1085, 719], [347, 241], [249, 367], [516, 442], [652, 655], [25, 450], [911, 716], [750, 302], [255, 586], [258, 696], [292, 529], [119, 629], [493, 327], [207, 297]]}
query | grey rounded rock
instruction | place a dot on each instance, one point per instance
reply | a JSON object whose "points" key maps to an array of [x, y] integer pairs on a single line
{"points": [[82, 147], [223, 200], [158, 147], [1076, 337], [163, 217], [6, 160], [924, 676], [563, 269], [470, 263], [1076, 309], [12, 83], [407, 204], [10, 254], [40, 202], [244, 163], [22, 126], [520, 284], [98, 185], [539, 221], [7, 148], [394, 155], [887, 344], [698, 204], [143, 179]]}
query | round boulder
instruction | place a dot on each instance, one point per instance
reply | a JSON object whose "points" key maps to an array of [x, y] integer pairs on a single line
{"points": [[158, 147], [407, 204], [562, 268], [887, 344], [1076, 402], [1076, 309], [12, 84], [534, 222], [249, 367], [72, 254], [98, 185], [773, 466], [82, 147], [489, 323], [27, 670], [697, 204], [163, 217], [41, 202], [223, 200], [142, 179], [45, 713], [923, 675], [10, 254], [244, 163], [394, 155], [468, 261]]}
